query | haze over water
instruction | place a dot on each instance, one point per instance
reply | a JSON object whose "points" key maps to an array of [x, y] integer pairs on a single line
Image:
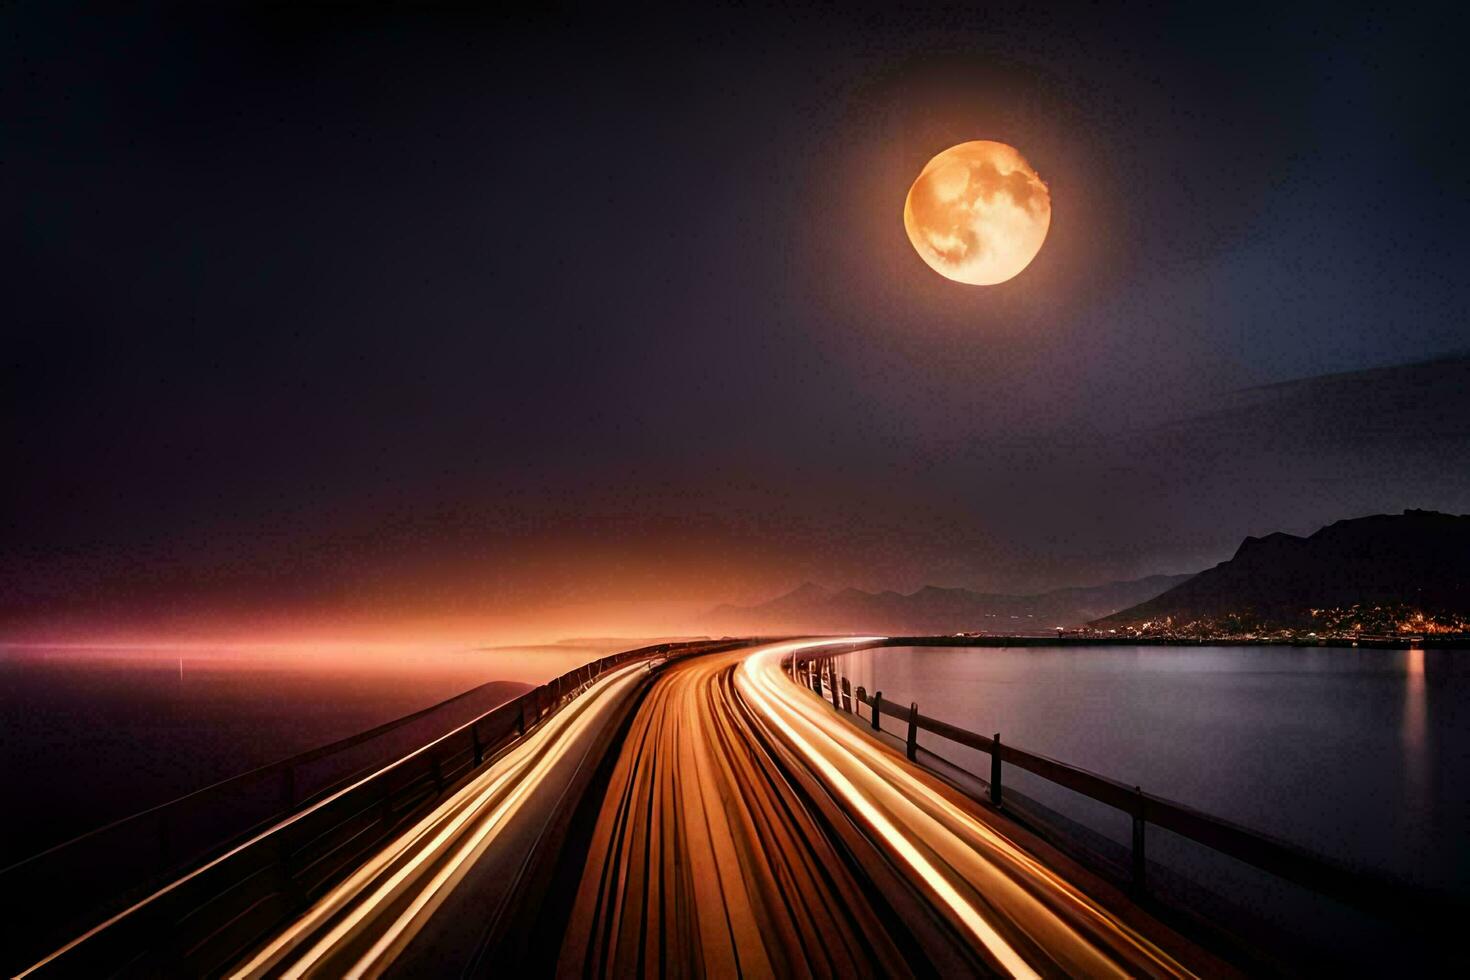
{"points": [[95, 734]]}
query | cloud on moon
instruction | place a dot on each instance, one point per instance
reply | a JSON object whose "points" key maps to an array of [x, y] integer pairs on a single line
{"points": [[978, 213]]}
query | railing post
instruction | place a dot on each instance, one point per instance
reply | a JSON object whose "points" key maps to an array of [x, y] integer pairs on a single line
{"points": [[847, 695], [912, 748], [1139, 883], [995, 770], [877, 711], [832, 680]]}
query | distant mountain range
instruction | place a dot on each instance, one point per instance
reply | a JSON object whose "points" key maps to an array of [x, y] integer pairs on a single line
{"points": [[1417, 560], [813, 609]]}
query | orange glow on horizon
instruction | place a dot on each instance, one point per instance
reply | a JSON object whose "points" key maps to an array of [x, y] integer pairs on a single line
{"points": [[352, 632]]}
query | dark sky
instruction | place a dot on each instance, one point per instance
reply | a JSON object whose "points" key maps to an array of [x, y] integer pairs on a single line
{"points": [[378, 321]]}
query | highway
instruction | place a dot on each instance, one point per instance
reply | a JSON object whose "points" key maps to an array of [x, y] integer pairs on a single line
{"points": [[750, 828], [707, 860], [746, 827]]}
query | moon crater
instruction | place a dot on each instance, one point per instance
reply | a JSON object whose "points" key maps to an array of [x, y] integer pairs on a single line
{"points": [[978, 213]]}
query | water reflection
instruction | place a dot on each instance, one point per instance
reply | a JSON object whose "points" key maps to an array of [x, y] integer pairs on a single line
{"points": [[1414, 718], [1413, 733], [1333, 748], [134, 726]]}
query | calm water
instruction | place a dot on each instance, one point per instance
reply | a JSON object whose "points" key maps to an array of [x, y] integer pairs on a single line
{"points": [[1361, 754], [90, 736]]}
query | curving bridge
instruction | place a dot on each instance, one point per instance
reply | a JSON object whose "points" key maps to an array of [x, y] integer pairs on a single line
{"points": [[709, 808], [750, 827]]}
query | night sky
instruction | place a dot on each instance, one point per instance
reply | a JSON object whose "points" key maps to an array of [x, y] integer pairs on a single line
{"points": [[353, 323]]}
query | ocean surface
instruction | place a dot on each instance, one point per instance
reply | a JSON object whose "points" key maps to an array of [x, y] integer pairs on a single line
{"points": [[1363, 755], [93, 735], [1357, 754]]}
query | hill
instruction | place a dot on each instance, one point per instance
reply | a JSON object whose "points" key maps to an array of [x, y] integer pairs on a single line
{"points": [[811, 608], [1414, 563]]}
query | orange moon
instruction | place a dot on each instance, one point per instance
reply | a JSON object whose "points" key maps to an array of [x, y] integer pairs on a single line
{"points": [[978, 213]]}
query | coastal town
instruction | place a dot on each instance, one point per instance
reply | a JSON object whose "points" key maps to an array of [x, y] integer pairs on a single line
{"points": [[1393, 624]]}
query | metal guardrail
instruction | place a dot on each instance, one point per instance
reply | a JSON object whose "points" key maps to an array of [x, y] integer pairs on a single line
{"points": [[260, 844], [1369, 891]]}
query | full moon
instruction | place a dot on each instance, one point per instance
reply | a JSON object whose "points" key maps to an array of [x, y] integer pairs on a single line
{"points": [[978, 213]]}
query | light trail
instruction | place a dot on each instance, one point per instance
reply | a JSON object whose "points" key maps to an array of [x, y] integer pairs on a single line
{"points": [[748, 827], [712, 855], [143, 904], [706, 861], [942, 838], [864, 808], [358, 928]]}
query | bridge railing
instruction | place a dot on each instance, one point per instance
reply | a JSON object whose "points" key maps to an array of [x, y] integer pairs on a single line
{"points": [[326, 807], [1373, 892]]}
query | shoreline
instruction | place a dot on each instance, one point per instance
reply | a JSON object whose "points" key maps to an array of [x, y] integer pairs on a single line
{"points": [[1375, 643]]}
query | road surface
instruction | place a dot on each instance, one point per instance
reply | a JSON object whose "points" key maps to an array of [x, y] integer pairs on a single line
{"points": [[428, 903], [747, 828], [750, 828]]}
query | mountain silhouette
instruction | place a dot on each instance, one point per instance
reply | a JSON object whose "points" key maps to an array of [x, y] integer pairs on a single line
{"points": [[814, 609], [1419, 559]]}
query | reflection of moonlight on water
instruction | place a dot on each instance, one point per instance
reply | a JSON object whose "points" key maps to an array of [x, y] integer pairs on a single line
{"points": [[978, 213]]}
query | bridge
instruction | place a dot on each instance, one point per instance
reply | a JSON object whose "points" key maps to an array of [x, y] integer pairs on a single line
{"points": [[715, 807]]}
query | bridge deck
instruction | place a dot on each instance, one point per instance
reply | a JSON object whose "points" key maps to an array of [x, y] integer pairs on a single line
{"points": [[750, 826], [746, 827], [431, 901]]}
